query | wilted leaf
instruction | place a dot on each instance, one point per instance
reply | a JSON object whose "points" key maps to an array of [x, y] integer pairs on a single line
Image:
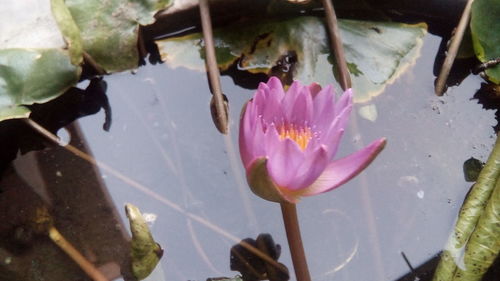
{"points": [[377, 53], [146, 253], [485, 25], [30, 76]]}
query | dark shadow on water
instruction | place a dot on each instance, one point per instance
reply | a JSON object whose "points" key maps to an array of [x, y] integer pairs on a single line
{"points": [[489, 97], [16, 136]]}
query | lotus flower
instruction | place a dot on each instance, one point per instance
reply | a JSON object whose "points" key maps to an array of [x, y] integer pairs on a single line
{"points": [[288, 140]]}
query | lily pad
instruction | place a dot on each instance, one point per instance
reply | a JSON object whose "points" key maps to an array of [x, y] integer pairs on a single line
{"points": [[377, 53], [37, 66], [30, 76], [70, 31], [14, 112], [485, 24], [110, 29]]}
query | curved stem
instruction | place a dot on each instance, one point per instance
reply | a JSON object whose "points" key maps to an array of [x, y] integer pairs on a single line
{"points": [[292, 228]]}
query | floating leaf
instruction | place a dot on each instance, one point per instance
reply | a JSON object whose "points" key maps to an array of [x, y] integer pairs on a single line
{"points": [[30, 76], [14, 112], [109, 29], [70, 31], [485, 25], [377, 53], [32, 27]]}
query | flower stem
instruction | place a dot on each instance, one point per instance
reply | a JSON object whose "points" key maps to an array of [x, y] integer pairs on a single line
{"points": [[292, 228]]}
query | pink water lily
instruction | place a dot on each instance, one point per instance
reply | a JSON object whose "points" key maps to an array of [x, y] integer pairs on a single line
{"points": [[288, 140]]}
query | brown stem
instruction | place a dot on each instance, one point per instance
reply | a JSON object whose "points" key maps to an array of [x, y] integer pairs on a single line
{"points": [[336, 44], [88, 59], [453, 50], [292, 228], [84, 264], [220, 106]]}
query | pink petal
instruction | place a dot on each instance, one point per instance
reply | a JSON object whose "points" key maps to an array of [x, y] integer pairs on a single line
{"points": [[345, 100], [340, 171], [283, 161], [272, 111], [333, 142], [245, 132], [302, 109], [324, 108], [312, 167], [314, 88], [259, 101], [271, 139], [276, 87], [251, 138], [339, 123], [290, 98]]}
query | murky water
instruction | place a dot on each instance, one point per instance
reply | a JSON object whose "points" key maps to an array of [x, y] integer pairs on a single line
{"points": [[163, 138]]}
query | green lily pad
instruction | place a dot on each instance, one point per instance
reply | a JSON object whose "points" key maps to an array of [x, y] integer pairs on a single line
{"points": [[70, 31], [110, 28], [485, 24], [14, 112], [377, 53], [30, 76]]}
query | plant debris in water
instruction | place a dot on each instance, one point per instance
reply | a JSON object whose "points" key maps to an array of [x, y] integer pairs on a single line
{"points": [[252, 267]]}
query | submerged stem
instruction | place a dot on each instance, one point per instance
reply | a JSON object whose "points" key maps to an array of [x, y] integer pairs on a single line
{"points": [[292, 228], [71, 251]]}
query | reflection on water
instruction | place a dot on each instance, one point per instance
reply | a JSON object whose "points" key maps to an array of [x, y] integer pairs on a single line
{"points": [[163, 138]]}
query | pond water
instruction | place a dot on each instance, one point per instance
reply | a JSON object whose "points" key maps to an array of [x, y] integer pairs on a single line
{"points": [[406, 201]]}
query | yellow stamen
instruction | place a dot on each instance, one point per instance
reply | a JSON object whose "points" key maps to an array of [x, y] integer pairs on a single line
{"points": [[300, 135]]}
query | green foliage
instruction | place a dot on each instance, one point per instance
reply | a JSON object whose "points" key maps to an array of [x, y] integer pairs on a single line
{"points": [[484, 243], [145, 252], [485, 25], [30, 76], [377, 52], [106, 30], [69, 30], [477, 229], [109, 29]]}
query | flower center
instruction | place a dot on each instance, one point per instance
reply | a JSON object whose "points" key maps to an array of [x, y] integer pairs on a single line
{"points": [[300, 135]]}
